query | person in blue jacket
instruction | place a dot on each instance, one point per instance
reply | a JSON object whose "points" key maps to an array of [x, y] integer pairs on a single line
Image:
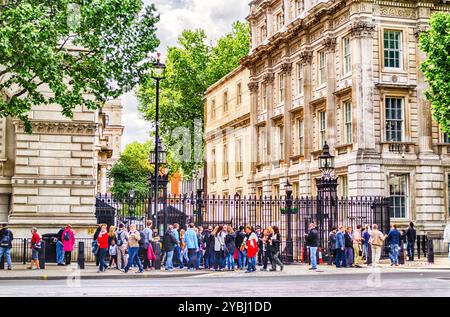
{"points": [[394, 239], [340, 248], [191, 241]]}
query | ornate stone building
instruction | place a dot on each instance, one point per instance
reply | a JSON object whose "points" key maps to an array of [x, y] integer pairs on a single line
{"points": [[346, 72]]}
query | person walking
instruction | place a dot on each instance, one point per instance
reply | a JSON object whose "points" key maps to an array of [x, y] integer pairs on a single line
{"points": [[192, 246], [102, 241], [58, 240], [365, 242], [6, 239], [122, 246], [240, 236], [332, 246], [348, 241], [340, 248], [184, 250], [274, 248], [230, 243], [169, 242], [265, 249], [411, 236], [393, 238], [376, 242], [219, 248], [146, 239], [198, 232], [259, 234], [133, 249], [68, 240], [357, 246], [177, 250], [35, 249], [251, 245], [312, 241], [208, 242]]}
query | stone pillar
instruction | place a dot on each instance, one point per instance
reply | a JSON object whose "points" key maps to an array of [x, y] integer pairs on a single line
{"points": [[269, 79], [253, 88], [102, 179], [286, 68], [306, 58], [363, 84], [330, 46]]}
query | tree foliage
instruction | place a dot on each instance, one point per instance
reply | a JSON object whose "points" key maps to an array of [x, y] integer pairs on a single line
{"points": [[436, 44], [192, 66], [83, 51]]}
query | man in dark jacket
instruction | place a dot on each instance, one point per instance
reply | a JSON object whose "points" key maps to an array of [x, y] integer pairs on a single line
{"points": [[332, 246], [312, 241], [242, 254], [169, 242], [208, 240], [410, 241], [394, 239], [6, 239]]}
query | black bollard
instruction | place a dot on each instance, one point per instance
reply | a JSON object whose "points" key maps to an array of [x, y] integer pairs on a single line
{"points": [[401, 254], [81, 257], [2, 262], [430, 251], [157, 250], [41, 256]]}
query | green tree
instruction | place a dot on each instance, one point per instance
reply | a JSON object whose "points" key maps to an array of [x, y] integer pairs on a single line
{"points": [[84, 51], [132, 170], [435, 42], [192, 66]]}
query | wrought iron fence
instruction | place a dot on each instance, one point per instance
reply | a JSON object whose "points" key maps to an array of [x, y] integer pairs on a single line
{"points": [[236, 211]]}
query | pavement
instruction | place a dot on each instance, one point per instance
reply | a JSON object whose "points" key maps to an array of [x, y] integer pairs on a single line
{"points": [[53, 272]]}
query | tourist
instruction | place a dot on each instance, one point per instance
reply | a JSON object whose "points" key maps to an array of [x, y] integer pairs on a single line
{"points": [[184, 250], [348, 241], [250, 244], [376, 242], [274, 247], [122, 246], [102, 241], [332, 246], [240, 236], [447, 238], [219, 248], [410, 241], [145, 245], [68, 238], [113, 254], [357, 246], [192, 246], [94, 243], [198, 232], [340, 248], [177, 250], [133, 248], [265, 249], [208, 241], [59, 247], [365, 241], [6, 239], [35, 249], [169, 242], [393, 238], [230, 242], [312, 241], [258, 233]]}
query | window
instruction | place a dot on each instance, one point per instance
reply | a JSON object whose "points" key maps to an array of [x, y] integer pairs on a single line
{"points": [[295, 189], [322, 70], [259, 193], [262, 146], [344, 185], [301, 137], [300, 6], [213, 164], [292, 13], [446, 138], [281, 88], [239, 158], [300, 78], [394, 119], [280, 21], [347, 55], [239, 93], [276, 190], [106, 120], [398, 195], [280, 142], [348, 133], [392, 49], [213, 109], [322, 128], [264, 97], [225, 161], [225, 101], [262, 33]]}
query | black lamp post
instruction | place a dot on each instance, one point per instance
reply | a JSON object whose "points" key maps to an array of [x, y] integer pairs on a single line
{"points": [[199, 201], [158, 157], [326, 162], [289, 241]]}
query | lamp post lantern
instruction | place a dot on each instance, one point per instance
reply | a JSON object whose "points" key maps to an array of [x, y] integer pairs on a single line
{"points": [[158, 157], [289, 241]]}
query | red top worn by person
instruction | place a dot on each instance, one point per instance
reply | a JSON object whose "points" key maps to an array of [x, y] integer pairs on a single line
{"points": [[103, 240], [35, 238]]}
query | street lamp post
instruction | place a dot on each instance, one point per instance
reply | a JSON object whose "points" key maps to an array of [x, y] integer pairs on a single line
{"points": [[158, 74], [289, 241], [199, 202]]}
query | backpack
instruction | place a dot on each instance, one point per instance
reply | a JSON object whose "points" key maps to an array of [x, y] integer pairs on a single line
{"points": [[119, 239], [143, 240], [6, 240], [66, 236]]}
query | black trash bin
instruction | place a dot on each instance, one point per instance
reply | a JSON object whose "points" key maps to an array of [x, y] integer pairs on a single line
{"points": [[50, 247]]}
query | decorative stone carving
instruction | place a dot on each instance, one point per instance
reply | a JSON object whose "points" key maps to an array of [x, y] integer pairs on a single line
{"points": [[362, 29], [330, 44], [268, 78], [398, 12], [306, 57], [253, 87], [286, 67], [60, 128]]}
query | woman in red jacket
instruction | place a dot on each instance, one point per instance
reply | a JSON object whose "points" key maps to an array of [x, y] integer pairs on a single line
{"points": [[102, 241], [35, 249]]}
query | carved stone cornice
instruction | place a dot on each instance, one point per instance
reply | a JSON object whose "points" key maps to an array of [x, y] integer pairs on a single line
{"points": [[306, 57], [420, 29], [286, 67], [268, 78], [65, 128], [330, 44], [253, 87], [362, 29]]}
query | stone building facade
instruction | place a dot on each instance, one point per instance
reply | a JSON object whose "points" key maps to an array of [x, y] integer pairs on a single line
{"points": [[346, 72]]}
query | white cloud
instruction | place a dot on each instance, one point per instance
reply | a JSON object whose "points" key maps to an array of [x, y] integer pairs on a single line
{"points": [[214, 16]]}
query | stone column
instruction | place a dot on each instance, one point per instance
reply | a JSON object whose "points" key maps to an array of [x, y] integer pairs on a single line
{"points": [[253, 88], [102, 179], [306, 58], [330, 46], [286, 69], [269, 80]]}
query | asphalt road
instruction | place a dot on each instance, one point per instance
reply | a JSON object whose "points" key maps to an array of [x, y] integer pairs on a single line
{"points": [[395, 284]]}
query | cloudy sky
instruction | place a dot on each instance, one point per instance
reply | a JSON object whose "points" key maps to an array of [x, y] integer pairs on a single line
{"points": [[214, 16]]}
